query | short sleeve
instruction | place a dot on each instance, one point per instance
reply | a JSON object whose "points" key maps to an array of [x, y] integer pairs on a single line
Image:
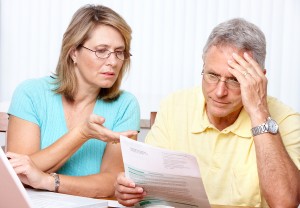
{"points": [[158, 135], [24, 102], [289, 127], [290, 132], [128, 115]]}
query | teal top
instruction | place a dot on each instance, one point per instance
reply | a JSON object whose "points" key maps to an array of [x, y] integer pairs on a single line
{"points": [[35, 101]]}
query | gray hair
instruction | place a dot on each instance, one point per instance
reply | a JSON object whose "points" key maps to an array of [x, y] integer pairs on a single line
{"points": [[241, 34]]}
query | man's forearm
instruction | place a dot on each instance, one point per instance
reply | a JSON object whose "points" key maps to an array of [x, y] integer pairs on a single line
{"points": [[278, 175]]}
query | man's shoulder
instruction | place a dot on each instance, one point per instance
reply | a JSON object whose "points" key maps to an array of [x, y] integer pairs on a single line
{"points": [[185, 93], [278, 109], [183, 100]]}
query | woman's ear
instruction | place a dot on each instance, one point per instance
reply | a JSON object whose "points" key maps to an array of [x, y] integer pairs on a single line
{"points": [[73, 55]]}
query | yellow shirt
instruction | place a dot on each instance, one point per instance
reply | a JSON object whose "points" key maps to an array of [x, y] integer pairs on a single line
{"points": [[226, 158]]}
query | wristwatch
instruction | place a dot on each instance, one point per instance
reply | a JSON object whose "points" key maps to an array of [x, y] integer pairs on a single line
{"points": [[270, 126]]}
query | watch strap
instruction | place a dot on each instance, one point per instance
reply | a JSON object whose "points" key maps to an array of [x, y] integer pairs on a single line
{"points": [[270, 126], [257, 130], [56, 181]]}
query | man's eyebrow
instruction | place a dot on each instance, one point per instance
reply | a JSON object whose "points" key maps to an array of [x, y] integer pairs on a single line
{"points": [[211, 71], [229, 77]]}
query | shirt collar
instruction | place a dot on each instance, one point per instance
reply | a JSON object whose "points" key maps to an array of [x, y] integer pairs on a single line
{"points": [[241, 127]]}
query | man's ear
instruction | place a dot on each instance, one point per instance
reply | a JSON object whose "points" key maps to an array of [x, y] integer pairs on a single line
{"points": [[265, 71]]}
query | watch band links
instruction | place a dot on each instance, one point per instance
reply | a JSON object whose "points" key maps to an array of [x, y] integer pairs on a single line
{"points": [[259, 130]]}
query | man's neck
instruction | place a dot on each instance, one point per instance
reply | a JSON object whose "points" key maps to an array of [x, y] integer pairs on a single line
{"points": [[223, 122]]}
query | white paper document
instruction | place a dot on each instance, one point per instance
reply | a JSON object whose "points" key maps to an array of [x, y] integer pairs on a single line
{"points": [[47, 199], [170, 178]]}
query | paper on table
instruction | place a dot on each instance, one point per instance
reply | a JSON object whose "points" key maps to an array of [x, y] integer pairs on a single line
{"points": [[170, 178], [114, 203]]}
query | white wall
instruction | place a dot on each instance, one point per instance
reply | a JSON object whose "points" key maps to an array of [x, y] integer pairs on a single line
{"points": [[168, 36]]}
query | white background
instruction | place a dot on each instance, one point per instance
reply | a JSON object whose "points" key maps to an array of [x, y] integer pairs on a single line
{"points": [[168, 37]]}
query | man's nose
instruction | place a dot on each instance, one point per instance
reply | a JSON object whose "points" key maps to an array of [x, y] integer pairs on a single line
{"points": [[221, 89]]}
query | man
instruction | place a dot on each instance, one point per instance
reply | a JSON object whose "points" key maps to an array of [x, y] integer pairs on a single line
{"points": [[231, 126]]}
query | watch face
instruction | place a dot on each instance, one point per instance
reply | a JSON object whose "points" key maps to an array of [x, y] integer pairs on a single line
{"points": [[272, 126]]}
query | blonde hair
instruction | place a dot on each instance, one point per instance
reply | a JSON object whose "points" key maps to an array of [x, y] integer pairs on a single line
{"points": [[81, 26]]}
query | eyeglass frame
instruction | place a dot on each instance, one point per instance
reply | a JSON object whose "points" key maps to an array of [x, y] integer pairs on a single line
{"points": [[229, 82], [126, 55]]}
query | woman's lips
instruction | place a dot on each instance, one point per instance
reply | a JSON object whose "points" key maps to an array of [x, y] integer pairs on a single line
{"points": [[108, 74]]}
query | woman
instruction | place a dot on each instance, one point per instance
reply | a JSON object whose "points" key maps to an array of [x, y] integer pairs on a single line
{"points": [[69, 124]]}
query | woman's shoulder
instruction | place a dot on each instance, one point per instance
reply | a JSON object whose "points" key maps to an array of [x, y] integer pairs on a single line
{"points": [[37, 83], [126, 95], [38, 87], [32, 97], [124, 99]]}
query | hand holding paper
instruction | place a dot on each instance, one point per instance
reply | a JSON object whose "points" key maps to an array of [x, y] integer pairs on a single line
{"points": [[170, 178]]}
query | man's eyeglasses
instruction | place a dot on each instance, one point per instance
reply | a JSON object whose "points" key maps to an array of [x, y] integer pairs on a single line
{"points": [[231, 83], [104, 53]]}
